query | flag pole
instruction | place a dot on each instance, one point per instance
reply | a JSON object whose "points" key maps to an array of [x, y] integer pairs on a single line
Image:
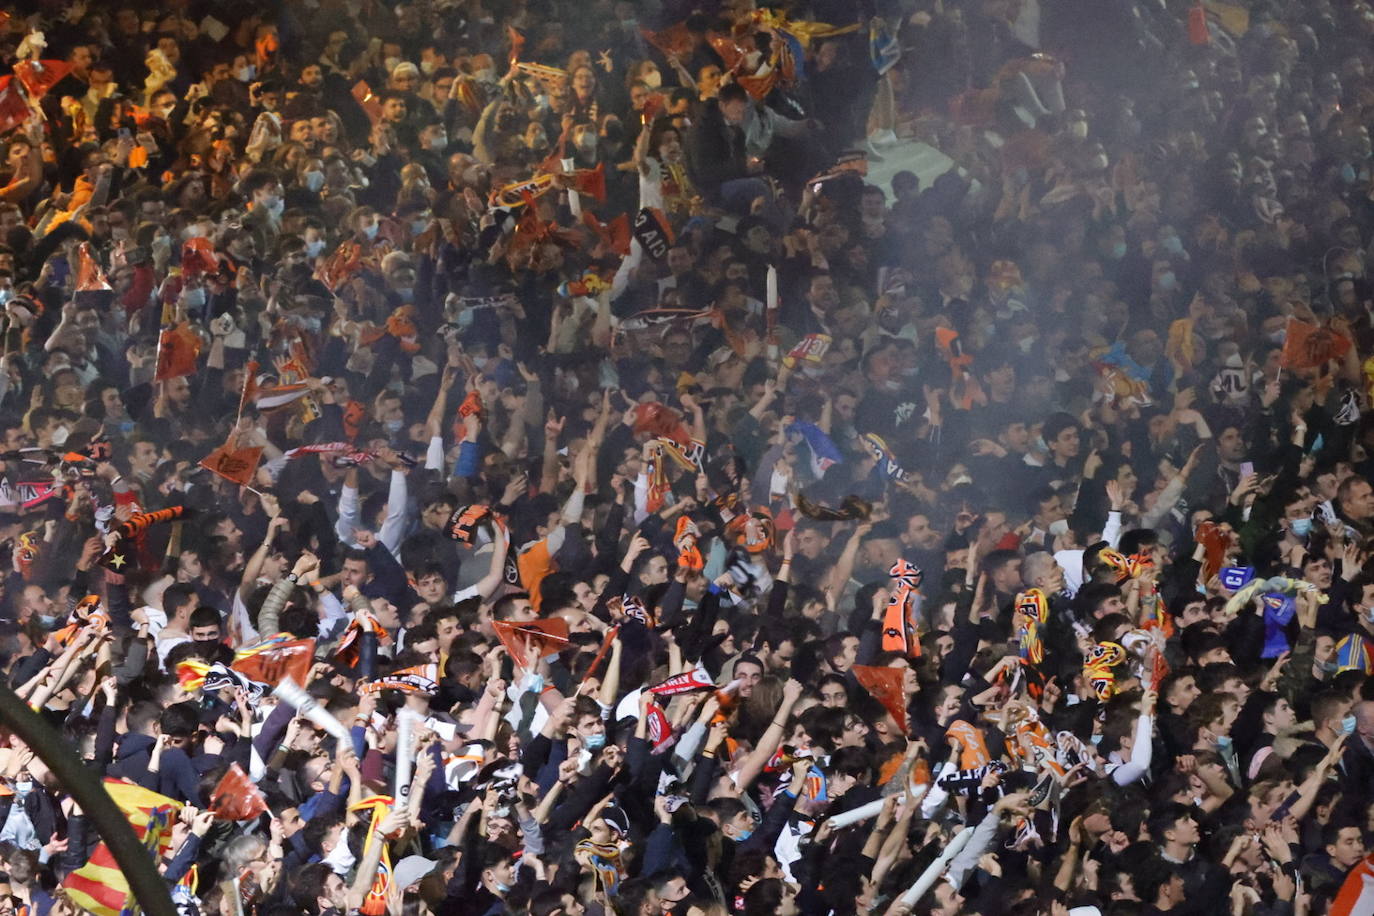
{"points": [[134, 860]]}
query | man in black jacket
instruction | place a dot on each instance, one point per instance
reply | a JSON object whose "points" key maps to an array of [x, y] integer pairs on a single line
{"points": [[716, 152]]}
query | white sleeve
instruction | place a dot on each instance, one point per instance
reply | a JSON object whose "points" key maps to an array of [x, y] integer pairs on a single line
{"points": [[434, 456], [348, 515], [641, 497], [1141, 753], [397, 514], [1111, 532], [967, 859]]}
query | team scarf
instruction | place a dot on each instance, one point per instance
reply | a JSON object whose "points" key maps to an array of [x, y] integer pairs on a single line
{"points": [[1031, 613], [375, 904], [604, 859], [351, 642], [696, 679], [754, 531], [887, 462], [690, 457], [416, 679], [86, 613], [193, 674], [1098, 665], [899, 629], [633, 606], [131, 533], [660, 730], [685, 540]]}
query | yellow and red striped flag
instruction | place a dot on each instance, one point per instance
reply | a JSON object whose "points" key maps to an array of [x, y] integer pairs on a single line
{"points": [[99, 887]]}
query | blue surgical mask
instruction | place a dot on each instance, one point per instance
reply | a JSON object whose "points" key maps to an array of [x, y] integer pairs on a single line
{"points": [[1223, 741], [418, 226], [314, 180], [1118, 251], [1168, 280], [1300, 527], [47, 620], [594, 742], [406, 292], [743, 835], [1173, 244], [370, 232], [1348, 173], [246, 73], [315, 248], [393, 426], [1348, 725], [1096, 740], [501, 888]]}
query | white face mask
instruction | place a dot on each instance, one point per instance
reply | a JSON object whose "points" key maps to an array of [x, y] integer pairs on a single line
{"points": [[1060, 527], [653, 79], [246, 73], [427, 67], [59, 435], [1100, 162], [1078, 130]]}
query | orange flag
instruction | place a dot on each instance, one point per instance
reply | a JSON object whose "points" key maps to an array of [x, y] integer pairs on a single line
{"points": [[616, 233], [886, 686], [674, 41], [178, 349], [270, 661], [551, 636], [591, 182], [365, 97], [89, 276], [973, 749], [234, 464], [236, 798], [517, 43], [1307, 345], [1197, 26]]}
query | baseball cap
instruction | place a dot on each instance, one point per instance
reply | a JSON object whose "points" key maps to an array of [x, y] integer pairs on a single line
{"points": [[411, 869]]}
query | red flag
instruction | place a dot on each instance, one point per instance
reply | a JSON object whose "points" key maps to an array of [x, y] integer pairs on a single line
{"points": [[886, 686], [590, 182], [13, 110], [268, 662], [237, 465], [89, 276], [38, 76], [1306, 346], [236, 798], [178, 351], [1198, 33], [661, 422], [551, 636]]}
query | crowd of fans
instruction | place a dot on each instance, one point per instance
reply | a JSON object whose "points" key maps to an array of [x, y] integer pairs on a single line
{"points": [[661, 517]]}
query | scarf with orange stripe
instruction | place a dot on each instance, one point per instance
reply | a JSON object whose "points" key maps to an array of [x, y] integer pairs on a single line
{"points": [[351, 642], [899, 627], [86, 613]]}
